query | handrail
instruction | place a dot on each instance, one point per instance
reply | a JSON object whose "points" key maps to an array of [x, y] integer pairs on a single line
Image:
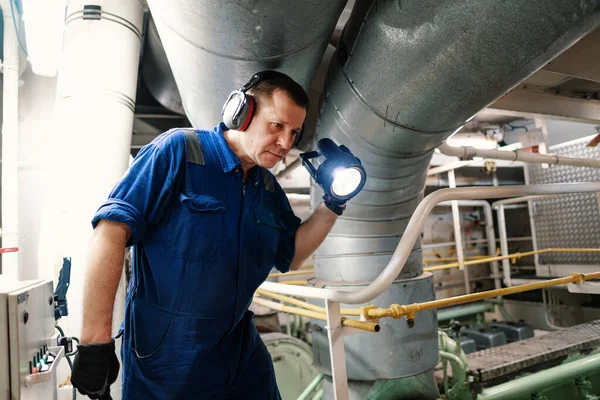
{"points": [[512, 256], [413, 230]]}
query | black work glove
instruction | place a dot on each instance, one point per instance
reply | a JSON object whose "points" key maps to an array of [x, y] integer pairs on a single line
{"points": [[95, 368], [337, 206]]}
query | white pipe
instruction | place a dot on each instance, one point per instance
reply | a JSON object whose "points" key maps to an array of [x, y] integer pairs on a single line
{"points": [[489, 231], [517, 200], [94, 112], [504, 246], [468, 153], [413, 231], [458, 234], [10, 143]]}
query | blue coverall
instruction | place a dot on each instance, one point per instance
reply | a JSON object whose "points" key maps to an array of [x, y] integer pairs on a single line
{"points": [[203, 241]]}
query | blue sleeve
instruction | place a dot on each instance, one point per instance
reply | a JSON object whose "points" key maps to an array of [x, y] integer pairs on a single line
{"points": [[287, 237], [141, 196]]}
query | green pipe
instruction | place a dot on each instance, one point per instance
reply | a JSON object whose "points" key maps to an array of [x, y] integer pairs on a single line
{"points": [[446, 314], [311, 386], [319, 395], [459, 374], [542, 380]]}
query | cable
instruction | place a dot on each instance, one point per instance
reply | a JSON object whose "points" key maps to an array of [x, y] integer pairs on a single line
{"points": [[12, 11], [68, 355]]}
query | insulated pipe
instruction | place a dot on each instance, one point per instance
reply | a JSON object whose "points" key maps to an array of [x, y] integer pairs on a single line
{"points": [[542, 380], [391, 99], [91, 139], [412, 233], [9, 267], [214, 47], [467, 153]]}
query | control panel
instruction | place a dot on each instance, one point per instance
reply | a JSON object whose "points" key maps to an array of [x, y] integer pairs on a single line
{"points": [[27, 364]]}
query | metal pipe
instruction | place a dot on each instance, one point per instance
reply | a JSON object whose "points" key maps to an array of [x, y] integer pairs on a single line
{"points": [[504, 245], [215, 46], [311, 387], [512, 256], [459, 372], [522, 199], [458, 233], [409, 311], [304, 304], [538, 381], [468, 153], [448, 244], [291, 273], [449, 166], [413, 231], [428, 260], [363, 325], [10, 142], [463, 311]]}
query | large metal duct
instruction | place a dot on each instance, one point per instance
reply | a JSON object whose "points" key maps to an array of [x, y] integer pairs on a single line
{"points": [[213, 47], [407, 74], [157, 72]]}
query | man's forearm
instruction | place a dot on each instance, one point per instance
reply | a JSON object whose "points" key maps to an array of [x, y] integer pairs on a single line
{"points": [[103, 273], [312, 233]]}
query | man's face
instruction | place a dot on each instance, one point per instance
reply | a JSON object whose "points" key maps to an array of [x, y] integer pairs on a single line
{"points": [[273, 129]]}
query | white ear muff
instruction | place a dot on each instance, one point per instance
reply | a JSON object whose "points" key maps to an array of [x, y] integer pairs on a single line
{"points": [[235, 110]]}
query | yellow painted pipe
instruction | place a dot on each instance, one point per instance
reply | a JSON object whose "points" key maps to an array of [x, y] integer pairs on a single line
{"points": [[364, 325], [409, 311], [304, 304], [427, 260], [292, 310], [299, 272], [300, 283], [513, 256]]}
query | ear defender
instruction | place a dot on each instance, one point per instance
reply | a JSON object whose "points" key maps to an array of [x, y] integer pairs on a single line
{"points": [[238, 110], [239, 107]]}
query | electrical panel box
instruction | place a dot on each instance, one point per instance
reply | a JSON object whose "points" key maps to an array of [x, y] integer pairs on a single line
{"points": [[27, 321]]}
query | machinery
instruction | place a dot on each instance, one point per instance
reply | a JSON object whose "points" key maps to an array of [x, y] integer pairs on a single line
{"points": [[28, 358], [391, 81]]}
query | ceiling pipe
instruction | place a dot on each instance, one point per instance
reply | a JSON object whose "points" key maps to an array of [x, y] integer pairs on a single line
{"points": [[467, 153], [215, 47], [10, 143], [405, 76]]}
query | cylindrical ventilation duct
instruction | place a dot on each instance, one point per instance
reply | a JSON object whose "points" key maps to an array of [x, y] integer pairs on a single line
{"points": [[215, 47], [91, 139], [406, 75], [157, 72]]}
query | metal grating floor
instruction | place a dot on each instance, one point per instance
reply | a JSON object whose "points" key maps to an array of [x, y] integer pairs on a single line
{"points": [[504, 360]]}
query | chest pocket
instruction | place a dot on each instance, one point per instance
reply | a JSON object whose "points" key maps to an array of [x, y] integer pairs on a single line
{"points": [[268, 228], [197, 227]]}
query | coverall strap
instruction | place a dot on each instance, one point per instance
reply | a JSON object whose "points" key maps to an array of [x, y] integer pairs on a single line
{"points": [[193, 147]]}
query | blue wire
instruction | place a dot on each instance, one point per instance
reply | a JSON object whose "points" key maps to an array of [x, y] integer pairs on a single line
{"points": [[12, 11]]}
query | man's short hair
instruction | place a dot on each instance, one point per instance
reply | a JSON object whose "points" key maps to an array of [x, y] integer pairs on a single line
{"points": [[266, 87]]}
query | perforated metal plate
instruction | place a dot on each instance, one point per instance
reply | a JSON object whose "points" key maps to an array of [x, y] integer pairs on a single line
{"points": [[504, 360], [569, 220]]}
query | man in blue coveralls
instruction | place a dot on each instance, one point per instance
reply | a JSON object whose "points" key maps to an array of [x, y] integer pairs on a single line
{"points": [[207, 222]]}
